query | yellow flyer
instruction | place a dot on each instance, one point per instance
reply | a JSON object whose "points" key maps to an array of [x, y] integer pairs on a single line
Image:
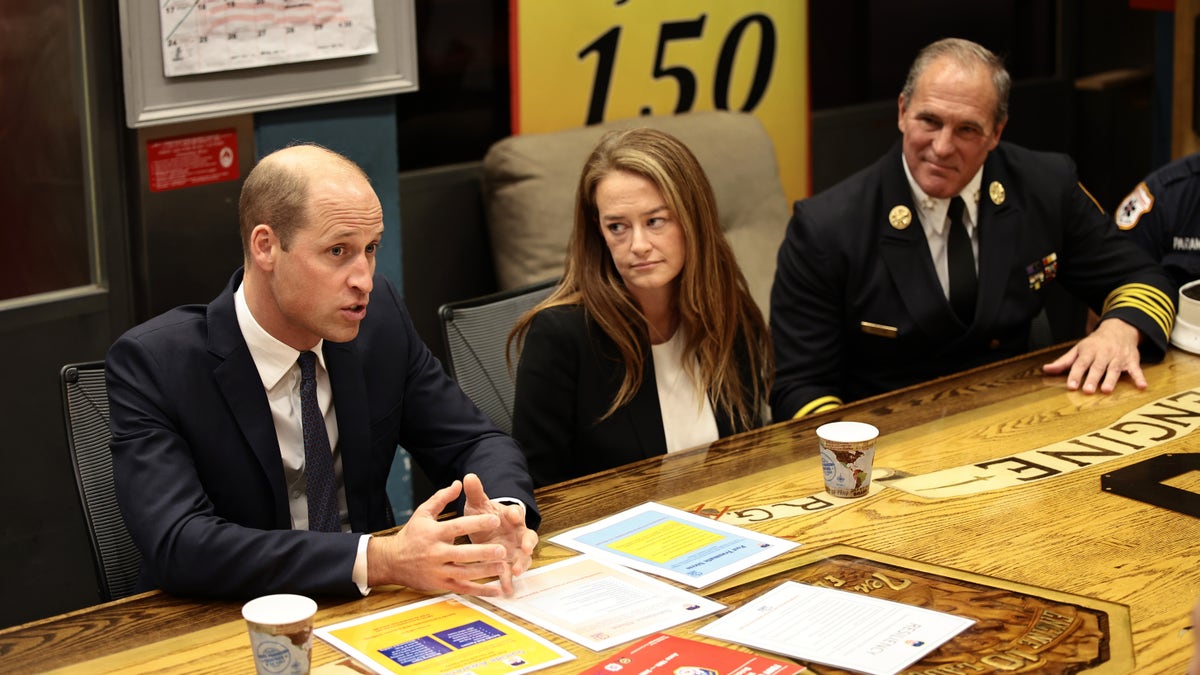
{"points": [[442, 636]]}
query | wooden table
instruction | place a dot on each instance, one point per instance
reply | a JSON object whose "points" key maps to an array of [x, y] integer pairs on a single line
{"points": [[1064, 533]]}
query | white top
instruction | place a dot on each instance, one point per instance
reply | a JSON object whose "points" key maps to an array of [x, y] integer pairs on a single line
{"points": [[687, 414], [935, 220]]}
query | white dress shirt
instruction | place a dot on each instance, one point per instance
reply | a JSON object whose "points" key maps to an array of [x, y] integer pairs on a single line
{"points": [[935, 220], [280, 374]]}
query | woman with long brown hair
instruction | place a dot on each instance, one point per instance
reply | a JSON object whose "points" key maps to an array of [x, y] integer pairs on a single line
{"points": [[651, 342]]}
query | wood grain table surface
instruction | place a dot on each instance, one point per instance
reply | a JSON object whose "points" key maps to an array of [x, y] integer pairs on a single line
{"points": [[1063, 533]]}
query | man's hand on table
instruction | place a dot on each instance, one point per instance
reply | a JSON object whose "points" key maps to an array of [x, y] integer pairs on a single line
{"points": [[424, 557], [1098, 360]]}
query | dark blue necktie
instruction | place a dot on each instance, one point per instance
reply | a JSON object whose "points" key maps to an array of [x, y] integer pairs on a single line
{"points": [[320, 486], [961, 262]]}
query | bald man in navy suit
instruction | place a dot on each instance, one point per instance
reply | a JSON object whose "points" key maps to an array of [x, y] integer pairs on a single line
{"points": [[206, 408]]}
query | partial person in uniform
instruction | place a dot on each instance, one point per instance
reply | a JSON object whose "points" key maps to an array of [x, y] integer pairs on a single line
{"points": [[1162, 215], [935, 258], [651, 342], [252, 437]]}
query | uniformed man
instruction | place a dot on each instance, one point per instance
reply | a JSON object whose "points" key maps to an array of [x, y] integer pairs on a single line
{"points": [[1162, 214], [937, 257]]}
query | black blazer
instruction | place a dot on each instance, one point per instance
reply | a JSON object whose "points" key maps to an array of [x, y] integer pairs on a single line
{"points": [[197, 464], [568, 374], [842, 263]]}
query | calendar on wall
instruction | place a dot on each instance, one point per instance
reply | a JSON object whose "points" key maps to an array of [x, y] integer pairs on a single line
{"points": [[205, 36], [187, 60]]}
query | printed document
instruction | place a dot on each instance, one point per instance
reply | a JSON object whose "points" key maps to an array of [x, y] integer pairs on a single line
{"points": [[837, 628], [600, 605], [674, 544]]}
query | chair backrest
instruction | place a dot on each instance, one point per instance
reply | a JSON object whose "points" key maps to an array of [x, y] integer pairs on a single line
{"points": [[476, 333], [85, 406], [529, 184]]}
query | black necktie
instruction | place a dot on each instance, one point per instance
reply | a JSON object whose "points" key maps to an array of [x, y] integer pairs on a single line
{"points": [[319, 484], [961, 260]]}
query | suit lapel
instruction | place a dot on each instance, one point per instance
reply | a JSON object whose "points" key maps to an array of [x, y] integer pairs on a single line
{"points": [[237, 377], [354, 440], [905, 253], [998, 227]]}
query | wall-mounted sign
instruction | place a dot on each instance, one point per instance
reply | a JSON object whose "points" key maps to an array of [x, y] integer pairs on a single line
{"points": [[191, 160], [588, 61]]}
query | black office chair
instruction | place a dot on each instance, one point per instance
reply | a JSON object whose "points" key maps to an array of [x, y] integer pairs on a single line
{"points": [[85, 406], [476, 332]]}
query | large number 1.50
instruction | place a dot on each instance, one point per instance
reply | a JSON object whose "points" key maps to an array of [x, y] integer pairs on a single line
{"points": [[605, 48]]}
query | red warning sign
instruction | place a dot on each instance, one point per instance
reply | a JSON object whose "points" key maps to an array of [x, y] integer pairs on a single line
{"points": [[188, 161]]}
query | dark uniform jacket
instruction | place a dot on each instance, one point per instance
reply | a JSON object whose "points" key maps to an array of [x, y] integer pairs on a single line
{"points": [[197, 464], [568, 374], [857, 309], [1162, 214]]}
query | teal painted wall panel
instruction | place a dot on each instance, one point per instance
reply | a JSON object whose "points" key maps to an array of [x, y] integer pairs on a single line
{"points": [[364, 131]]}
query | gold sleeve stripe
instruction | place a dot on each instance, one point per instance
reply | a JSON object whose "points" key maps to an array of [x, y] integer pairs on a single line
{"points": [[1161, 315], [818, 405], [1089, 196], [1155, 300], [1147, 299]]}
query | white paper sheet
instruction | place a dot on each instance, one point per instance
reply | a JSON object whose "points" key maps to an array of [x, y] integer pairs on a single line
{"points": [[600, 605], [837, 628]]}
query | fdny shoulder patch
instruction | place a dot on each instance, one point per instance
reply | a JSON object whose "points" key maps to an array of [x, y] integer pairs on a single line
{"points": [[1138, 203]]}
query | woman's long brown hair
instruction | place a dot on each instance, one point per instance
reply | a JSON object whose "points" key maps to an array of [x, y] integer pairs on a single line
{"points": [[715, 308]]}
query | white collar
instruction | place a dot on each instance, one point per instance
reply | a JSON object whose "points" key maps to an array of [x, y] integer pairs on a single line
{"points": [[932, 210], [272, 358]]}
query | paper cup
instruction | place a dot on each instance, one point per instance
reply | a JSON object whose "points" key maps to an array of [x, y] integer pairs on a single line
{"points": [[847, 456], [280, 633]]}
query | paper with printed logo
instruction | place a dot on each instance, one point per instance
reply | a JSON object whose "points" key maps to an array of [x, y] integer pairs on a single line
{"points": [[442, 635], [837, 628]]}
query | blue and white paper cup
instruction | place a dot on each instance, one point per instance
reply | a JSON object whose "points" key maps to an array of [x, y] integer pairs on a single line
{"points": [[847, 457], [280, 633]]}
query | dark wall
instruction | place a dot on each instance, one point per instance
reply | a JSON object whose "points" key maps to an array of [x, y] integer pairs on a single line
{"points": [[45, 557]]}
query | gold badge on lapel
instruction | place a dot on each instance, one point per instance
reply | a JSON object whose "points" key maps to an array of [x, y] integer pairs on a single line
{"points": [[900, 217], [996, 192]]}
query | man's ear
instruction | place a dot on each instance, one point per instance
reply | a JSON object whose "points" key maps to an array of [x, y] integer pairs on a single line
{"points": [[264, 247]]}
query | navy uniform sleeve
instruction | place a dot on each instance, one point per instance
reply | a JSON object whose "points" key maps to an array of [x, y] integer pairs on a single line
{"points": [[1162, 216], [1114, 276], [807, 317]]}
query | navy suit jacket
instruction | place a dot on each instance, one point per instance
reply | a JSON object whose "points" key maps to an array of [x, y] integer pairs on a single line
{"points": [[197, 463], [568, 374], [857, 309]]}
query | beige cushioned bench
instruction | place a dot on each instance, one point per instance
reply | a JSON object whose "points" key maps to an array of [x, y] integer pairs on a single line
{"points": [[529, 186]]}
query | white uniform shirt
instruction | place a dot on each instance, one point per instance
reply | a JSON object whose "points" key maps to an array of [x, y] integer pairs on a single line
{"points": [[935, 220]]}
